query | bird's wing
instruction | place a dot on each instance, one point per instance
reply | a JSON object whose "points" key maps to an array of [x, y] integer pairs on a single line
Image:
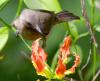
{"points": [[65, 16]]}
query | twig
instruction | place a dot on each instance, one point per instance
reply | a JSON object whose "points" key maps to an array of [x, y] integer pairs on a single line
{"points": [[25, 43], [25, 55], [96, 75], [69, 79], [4, 5], [87, 62], [88, 23], [9, 26], [80, 75], [94, 45], [3, 22], [72, 79], [19, 8]]}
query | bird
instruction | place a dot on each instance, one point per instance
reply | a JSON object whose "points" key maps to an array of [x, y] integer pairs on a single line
{"points": [[32, 24]]}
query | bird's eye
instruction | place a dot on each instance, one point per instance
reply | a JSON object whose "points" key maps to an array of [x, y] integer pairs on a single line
{"points": [[29, 24]]}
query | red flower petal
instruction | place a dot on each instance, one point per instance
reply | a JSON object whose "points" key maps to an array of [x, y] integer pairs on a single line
{"points": [[65, 48], [77, 60], [42, 54], [40, 64], [38, 56], [76, 63], [61, 68]]}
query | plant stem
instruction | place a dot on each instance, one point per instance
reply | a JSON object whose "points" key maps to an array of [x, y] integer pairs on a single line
{"points": [[17, 14], [87, 62], [10, 27], [96, 75], [25, 42], [94, 59], [94, 47], [88, 23], [68, 29], [90, 28], [80, 74], [93, 12], [54, 61], [3, 22], [19, 8]]}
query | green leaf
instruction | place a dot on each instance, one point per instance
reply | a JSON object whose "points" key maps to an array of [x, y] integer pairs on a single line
{"points": [[89, 72], [43, 4], [4, 33], [94, 2], [32, 4], [55, 37], [91, 2], [73, 30], [81, 36], [54, 61], [97, 28], [2, 2]]}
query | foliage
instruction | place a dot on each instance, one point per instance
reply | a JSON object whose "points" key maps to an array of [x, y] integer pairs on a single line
{"points": [[3, 36], [15, 52]]}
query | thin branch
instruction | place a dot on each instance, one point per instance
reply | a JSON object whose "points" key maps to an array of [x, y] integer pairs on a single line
{"points": [[96, 75], [3, 22], [25, 55], [87, 62], [72, 79], [4, 5], [69, 79], [19, 8], [88, 23], [25, 43], [80, 75], [94, 45]]}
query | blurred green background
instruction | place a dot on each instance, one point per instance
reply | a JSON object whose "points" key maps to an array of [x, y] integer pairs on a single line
{"points": [[15, 64]]}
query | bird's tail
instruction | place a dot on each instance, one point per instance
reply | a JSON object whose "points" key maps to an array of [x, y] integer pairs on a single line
{"points": [[65, 16]]}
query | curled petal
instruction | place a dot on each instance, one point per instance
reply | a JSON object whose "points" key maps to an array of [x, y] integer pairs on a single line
{"points": [[42, 54], [77, 60], [76, 63], [65, 48], [38, 56]]}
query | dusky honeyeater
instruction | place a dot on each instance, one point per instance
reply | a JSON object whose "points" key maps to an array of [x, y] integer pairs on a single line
{"points": [[32, 24]]}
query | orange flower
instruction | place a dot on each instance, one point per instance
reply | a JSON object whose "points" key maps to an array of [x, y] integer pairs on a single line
{"points": [[65, 48], [64, 53], [39, 60], [61, 68], [38, 56], [76, 63]]}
